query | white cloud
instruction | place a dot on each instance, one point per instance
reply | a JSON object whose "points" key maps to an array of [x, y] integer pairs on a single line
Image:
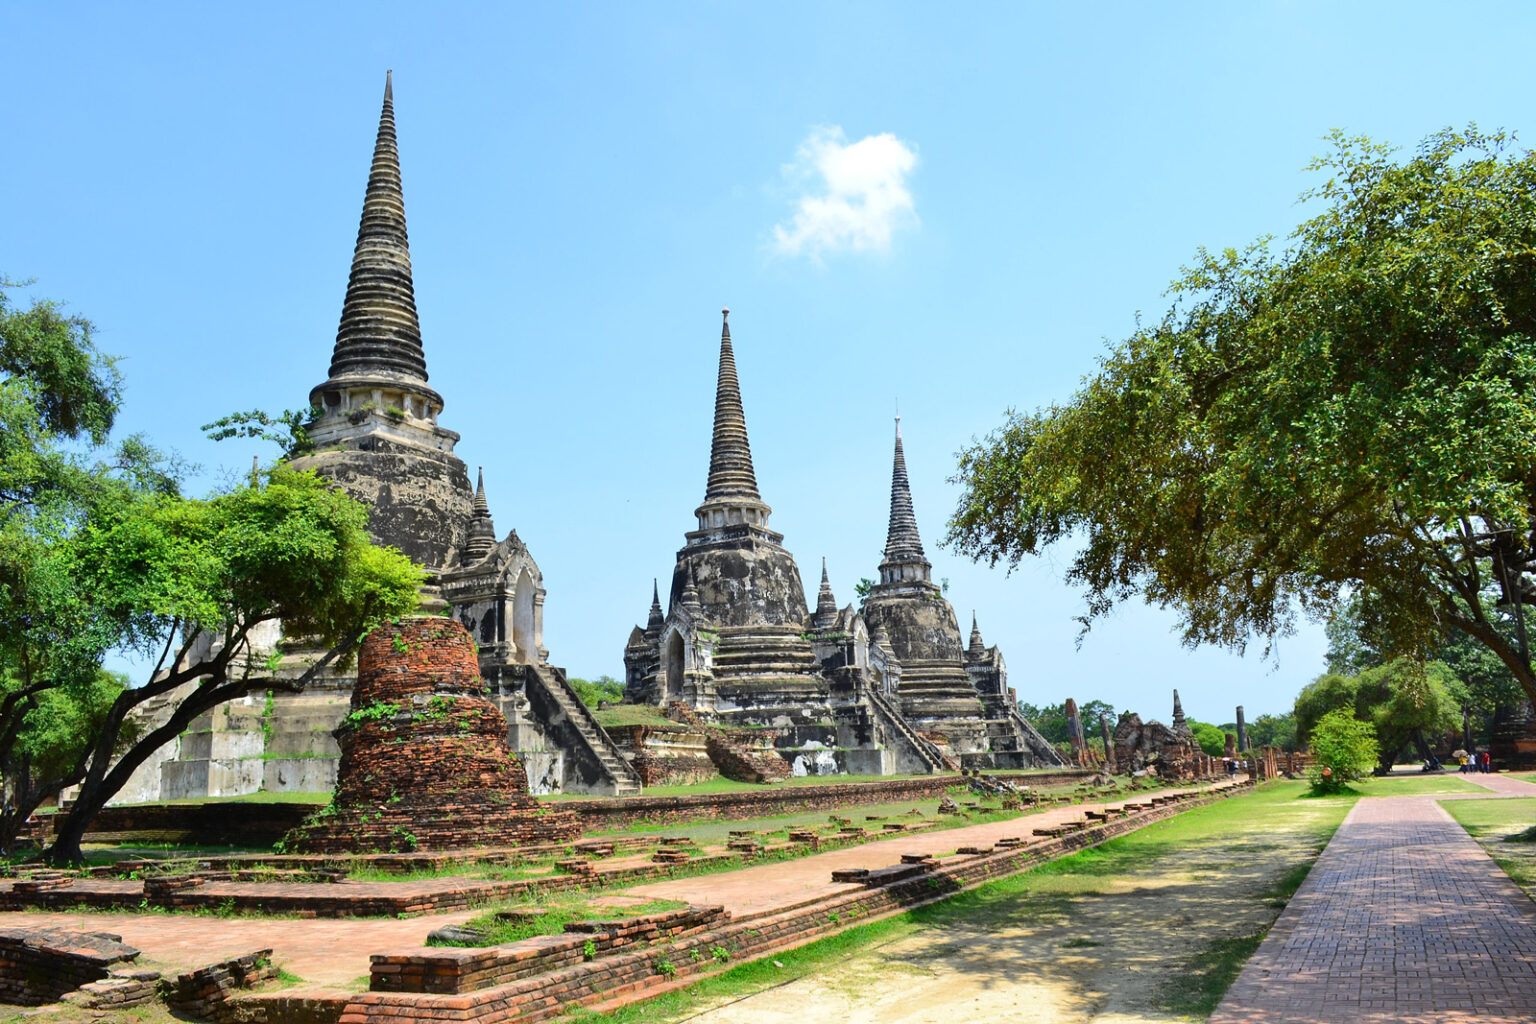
{"points": [[855, 194]]}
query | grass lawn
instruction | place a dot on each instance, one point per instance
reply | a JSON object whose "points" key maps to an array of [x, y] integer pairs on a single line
{"points": [[1417, 785], [1492, 823], [719, 785], [1162, 919]]}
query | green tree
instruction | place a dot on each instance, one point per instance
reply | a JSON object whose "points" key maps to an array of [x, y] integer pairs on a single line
{"points": [[98, 551], [53, 734], [1051, 720], [1212, 739], [603, 688], [1406, 703], [1273, 731], [58, 402], [188, 581], [1343, 750], [1353, 414], [1484, 685]]}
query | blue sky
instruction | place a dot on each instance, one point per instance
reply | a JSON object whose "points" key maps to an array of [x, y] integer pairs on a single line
{"points": [[955, 209]]}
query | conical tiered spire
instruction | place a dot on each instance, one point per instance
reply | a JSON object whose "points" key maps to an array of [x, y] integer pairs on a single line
{"points": [[482, 530], [730, 454], [654, 623], [379, 333], [826, 604], [904, 557], [1178, 713], [977, 648]]}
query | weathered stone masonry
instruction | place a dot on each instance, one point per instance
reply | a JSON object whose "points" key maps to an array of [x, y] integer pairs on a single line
{"points": [[424, 757]]}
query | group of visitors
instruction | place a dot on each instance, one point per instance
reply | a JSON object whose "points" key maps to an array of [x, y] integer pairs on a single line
{"points": [[1482, 762]]}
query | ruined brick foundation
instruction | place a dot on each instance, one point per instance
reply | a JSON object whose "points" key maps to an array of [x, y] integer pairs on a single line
{"points": [[424, 757]]}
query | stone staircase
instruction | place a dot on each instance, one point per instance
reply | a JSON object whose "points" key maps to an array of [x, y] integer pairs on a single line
{"points": [[563, 714], [1030, 740], [892, 719]]}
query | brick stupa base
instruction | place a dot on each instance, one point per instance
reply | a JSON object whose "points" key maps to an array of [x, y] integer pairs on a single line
{"points": [[424, 757]]}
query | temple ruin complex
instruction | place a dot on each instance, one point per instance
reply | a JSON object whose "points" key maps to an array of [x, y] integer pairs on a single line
{"points": [[886, 688]]}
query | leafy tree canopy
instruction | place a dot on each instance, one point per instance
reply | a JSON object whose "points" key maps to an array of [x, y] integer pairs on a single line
{"points": [[1273, 731], [1353, 413], [1051, 720], [1212, 738], [1404, 701]]}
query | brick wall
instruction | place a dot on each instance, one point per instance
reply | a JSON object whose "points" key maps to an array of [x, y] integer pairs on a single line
{"points": [[424, 756], [39, 965]]}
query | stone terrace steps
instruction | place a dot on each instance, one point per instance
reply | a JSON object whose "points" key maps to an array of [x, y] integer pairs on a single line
{"points": [[893, 719], [625, 781]]}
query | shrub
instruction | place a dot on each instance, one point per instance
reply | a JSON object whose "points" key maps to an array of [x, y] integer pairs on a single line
{"points": [[1343, 750]]}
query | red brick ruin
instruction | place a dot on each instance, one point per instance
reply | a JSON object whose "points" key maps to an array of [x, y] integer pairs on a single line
{"points": [[424, 757]]}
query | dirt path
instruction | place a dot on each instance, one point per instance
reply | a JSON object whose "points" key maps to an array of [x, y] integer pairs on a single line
{"points": [[1105, 948], [327, 954]]}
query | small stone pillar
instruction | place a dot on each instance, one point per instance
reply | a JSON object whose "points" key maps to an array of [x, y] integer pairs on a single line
{"points": [[1075, 735], [1109, 744], [1231, 750], [1242, 730]]}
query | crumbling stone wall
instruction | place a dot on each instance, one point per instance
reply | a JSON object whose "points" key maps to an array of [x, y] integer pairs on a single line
{"points": [[424, 757], [666, 756], [747, 756], [1153, 746]]}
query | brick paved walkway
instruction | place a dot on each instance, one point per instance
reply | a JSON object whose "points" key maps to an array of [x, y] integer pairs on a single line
{"points": [[1503, 785], [1404, 918]]}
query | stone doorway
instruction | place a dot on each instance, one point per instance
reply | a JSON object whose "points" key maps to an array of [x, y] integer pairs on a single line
{"points": [[674, 683]]}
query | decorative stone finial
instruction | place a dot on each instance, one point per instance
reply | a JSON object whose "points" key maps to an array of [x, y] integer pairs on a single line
{"points": [[826, 604], [481, 538], [691, 592], [977, 648], [656, 618]]}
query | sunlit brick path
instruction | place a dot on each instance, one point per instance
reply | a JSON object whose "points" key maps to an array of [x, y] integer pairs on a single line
{"points": [[1403, 918]]}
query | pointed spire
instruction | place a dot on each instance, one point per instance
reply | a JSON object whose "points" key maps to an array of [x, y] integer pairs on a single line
{"points": [[379, 332], [482, 507], [826, 604], [730, 454], [977, 649], [654, 623], [481, 537], [691, 592], [904, 557], [1178, 711]]}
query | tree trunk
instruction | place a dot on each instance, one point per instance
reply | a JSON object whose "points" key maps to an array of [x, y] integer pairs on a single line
{"points": [[105, 777]]}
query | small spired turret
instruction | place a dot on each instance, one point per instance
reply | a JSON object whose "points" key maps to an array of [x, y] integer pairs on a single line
{"points": [[826, 605], [375, 432], [1180, 723], [482, 530]]}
